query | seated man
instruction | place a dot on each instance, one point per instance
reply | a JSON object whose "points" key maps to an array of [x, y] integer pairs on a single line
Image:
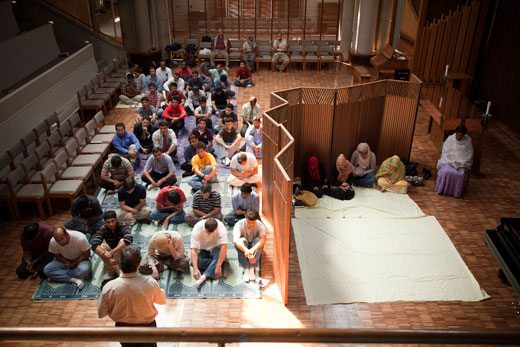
{"points": [[223, 82], [175, 115], [208, 249], [244, 169], [280, 53], [249, 111], [35, 240], [195, 81], [175, 92], [226, 113], [193, 100], [455, 163], [243, 76], [184, 71], [165, 139], [159, 170], [144, 131], [217, 72], [205, 73], [130, 95], [164, 72], [219, 99], [165, 251], [220, 45], [115, 170], [71, 262], [254, 138], [179, 83], [228, 142], [206, 203], [146, 110], [204, 111], [242, 201], [109, 241], [153, 78], [249, 239], [170, 206], [204, 166], [132, 200], [155, 99], [190, 150], [204, 134], [126, 143], [87, 215]]}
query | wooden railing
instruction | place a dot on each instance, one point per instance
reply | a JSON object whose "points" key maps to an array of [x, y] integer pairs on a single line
{"points": [[221, 336]]}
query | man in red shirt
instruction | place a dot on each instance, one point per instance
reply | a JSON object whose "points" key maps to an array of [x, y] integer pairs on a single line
{"points": [[174, 91], [220, 45], [184, 71], [243, 77], [175, 114], [170, 206]]}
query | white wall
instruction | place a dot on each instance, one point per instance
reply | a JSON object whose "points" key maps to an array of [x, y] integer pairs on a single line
{"points": [[51, 91]]}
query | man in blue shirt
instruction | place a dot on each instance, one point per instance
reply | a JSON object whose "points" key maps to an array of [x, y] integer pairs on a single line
{"points": [[153, 78], [254, 138], [242, 201], [224, 83], [159, 170], [126, 143]]}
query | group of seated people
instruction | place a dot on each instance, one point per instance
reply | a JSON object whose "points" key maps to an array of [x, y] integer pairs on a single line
{"points": [[453, 170]]}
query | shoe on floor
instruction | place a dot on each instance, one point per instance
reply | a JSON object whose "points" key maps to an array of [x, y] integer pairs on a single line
{"points": [[188, 174], [246, 275], [145, 221], [252, 276]]}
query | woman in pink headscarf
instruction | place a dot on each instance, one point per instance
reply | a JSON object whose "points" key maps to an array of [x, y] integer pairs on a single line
{"points": [[313, 176], [340, 179], [364, 162]]}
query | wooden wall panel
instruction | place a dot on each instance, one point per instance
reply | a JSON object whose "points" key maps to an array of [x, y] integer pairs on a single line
{"points": [[269, 151], [466, 13], [370, 125], [345, 130], [457, 16], [468, 40]]}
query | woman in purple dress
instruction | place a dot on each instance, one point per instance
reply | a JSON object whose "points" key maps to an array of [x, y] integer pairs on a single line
{"points": [[455, 163]]}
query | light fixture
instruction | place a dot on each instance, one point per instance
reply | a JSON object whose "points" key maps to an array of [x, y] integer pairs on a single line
{"points": [[50, 22], [87, 42], [13, 1], [117, 19]]}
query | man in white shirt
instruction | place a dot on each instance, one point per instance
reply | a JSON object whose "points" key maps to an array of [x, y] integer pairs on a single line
{"points": [[177, 79], [165, 139], [244, 169], [71, 257], [249, 111], [280, 53], [129, 300], [208, 249], [249, 239], [163, 71]]}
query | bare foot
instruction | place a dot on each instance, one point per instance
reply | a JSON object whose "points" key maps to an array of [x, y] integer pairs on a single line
{"points": [[110, 192]]}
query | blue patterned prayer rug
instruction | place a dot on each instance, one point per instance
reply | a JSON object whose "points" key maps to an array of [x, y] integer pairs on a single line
{"points": [[176, 285]]}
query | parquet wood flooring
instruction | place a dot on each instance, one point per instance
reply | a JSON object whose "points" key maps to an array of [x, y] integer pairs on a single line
{"points": [[464, 220]]}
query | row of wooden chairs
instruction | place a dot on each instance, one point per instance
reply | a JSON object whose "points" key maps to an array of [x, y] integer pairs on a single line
{"points": [[54, 160]]}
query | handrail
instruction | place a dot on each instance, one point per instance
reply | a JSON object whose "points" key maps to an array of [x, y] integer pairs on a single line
{"points": [[232, 335], [87, 25]]}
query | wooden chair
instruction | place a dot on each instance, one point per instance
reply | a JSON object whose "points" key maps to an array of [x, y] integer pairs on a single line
{"points": [[94, 136], [85, 147], [5, 168], [235, 53], [52, 122], [201, 47], [69, 172], [66, 133], [29, 143], [55, 187], [264, 55], [16, 155], [325, 55], [103, 84], [179, 54], [91, 94], [295, 55], [112, 91], [78, 159], [31, 167], [102, 128], [75, 123], [86, 104], [112, 78], [54, 141], [311, 56], [21, 192], [44, 154], [41, 133]]}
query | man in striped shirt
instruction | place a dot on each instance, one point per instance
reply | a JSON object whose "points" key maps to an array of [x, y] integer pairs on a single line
{"points": [[109, 241], [206, 203]]}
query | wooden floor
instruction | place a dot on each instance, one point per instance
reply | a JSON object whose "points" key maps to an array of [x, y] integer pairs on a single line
{"points": [[464, 220]]}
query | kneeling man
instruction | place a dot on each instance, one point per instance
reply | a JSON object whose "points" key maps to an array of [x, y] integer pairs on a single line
{"points": [[208, 249]]}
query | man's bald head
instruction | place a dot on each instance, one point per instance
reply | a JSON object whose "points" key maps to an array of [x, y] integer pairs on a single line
{"points": [[61, 236]]}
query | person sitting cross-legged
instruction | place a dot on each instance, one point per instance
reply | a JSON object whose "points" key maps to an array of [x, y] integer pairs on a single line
{"points": [[165, 139], [109, 241], [71, 257], [243, 76], [242, 201], [165, 251], [219, 99], [155, 99], [144, 131], [364, 162], [340, 179], [115, 170], [203, 134], [190, 150], [204, 166], [147, 110], [228, 142], [170, 206], [126, 143], [254, 138], [249, 239], [132, 200], [209, 243], [228, 112], [391, 176], [204, 111], [206, 203], [250, 110], [159, 170], [175, 114], [35, 241], [244, 169], [130, 95]]}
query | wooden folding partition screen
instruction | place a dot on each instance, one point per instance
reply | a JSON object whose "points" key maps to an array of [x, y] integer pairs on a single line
{"points": [[325, 123]]}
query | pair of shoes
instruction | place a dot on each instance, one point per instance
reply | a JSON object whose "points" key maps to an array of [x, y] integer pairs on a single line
{"points": [[427, 173], [246, 275], [188, 174], [155, 222], [226, 161], [249, 86], [145, 221], [109, 276]]}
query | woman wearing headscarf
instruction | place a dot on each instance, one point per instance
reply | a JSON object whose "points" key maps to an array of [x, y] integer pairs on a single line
{"points": [[364, 162], [391, 176], [313, 176], [455, 163], [340, 179]]}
